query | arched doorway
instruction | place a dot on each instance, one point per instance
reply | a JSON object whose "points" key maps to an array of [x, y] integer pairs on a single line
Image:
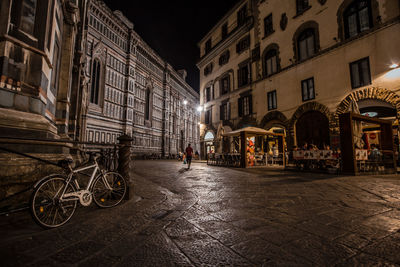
{"points": [[209, 142], [377, 109], [374, 102], [312, 128]]}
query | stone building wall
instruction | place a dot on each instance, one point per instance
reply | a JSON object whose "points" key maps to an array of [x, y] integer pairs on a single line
{"points": [[138, 93], [329, 64], [39, 65]]}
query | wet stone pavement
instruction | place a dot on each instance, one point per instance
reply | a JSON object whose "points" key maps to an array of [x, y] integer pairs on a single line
{"points": [[211, 216]]}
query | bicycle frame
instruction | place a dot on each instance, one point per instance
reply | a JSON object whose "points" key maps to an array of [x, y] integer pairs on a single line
{"points": [[94, 175]]}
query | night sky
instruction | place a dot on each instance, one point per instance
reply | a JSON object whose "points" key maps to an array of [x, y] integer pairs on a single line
{"points": [[173, 28]]}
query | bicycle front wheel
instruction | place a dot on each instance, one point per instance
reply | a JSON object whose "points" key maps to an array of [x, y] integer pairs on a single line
{"points": [[109, 189], [46, 208]]}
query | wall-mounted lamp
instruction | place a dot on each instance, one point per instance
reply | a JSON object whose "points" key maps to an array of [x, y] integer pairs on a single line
{"points": [[185, 102], [393, 66], [199, 108]]}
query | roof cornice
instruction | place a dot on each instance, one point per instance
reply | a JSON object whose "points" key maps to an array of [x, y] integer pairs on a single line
{"points": [[220, 22]]}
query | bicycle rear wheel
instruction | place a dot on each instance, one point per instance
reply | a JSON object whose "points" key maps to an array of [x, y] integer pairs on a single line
{"points": [[109, 189], [45, 206]]}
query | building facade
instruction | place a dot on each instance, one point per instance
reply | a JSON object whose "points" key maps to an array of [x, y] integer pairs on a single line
{"points": [[73, 70], [133, 91], [40, 62], [294, 66]]}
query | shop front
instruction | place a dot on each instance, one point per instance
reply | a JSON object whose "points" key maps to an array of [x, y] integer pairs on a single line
{"points": [[208, 144], [252, 147], [312, 129], [367, 144]]}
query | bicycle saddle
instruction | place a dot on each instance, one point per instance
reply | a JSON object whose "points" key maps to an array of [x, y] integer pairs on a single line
{"points": [[64, 162]]}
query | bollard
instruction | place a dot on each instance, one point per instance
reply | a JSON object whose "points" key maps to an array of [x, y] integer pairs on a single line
{"points": [[124, 161]]}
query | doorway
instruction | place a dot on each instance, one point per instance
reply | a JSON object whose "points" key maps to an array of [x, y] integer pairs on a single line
{"points": [[312, 128]]}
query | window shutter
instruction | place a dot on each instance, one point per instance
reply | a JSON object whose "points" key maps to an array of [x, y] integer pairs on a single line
{"points": [[229, 110], [250, 105], [240, 107], [221, 114]]}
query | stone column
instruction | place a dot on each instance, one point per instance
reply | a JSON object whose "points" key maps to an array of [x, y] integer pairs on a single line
{"points": [[243, 146], [124, 162]]}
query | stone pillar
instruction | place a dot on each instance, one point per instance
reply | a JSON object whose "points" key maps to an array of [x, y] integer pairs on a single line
{"points": [[124, 163], [243, 147]]}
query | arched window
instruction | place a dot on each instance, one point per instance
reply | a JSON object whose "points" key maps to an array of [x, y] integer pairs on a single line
{"points": [[270, 62], [147, 106], [357, 18], [95, 87], [306, 44]]}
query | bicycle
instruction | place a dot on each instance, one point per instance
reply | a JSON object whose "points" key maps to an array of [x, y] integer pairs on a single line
{"points": [[54, 198]]}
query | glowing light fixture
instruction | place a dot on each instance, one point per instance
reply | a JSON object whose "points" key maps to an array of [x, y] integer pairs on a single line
{"points": [[393, 66], [184, 102], [199, 108]]}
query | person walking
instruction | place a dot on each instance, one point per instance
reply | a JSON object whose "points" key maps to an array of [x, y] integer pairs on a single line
{"points": [[189, 153]]}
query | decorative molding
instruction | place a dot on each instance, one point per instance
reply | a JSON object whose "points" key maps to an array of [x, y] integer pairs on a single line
{"points": [[377, 93], [311, 106], [273, 115]]}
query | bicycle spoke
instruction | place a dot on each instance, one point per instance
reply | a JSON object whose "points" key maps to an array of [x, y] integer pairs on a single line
{"points": [[46, 207], [109, 190]]}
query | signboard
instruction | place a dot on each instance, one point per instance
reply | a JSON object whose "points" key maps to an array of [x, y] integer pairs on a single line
{"points": [[298, 154], [361, 154], [310, 154]]}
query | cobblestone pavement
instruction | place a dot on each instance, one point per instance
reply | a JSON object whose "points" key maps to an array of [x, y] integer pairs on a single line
{"points": [[221, 216]]}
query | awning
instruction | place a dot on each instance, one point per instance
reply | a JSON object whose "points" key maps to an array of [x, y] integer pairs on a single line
{"points": [[248, 130]]}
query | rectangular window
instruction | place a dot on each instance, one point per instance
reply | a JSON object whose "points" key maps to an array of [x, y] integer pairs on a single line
{"points": [[270, 64], [241, 16], [307, 89], [208, 46], [243, 44], [302, 5], [224, 111], [245, 106], [360, 73], [208, 117], [208, 94], [268, 26], [224, 84], [23, 15], [224, 31], [272, 100], [56, 66], [244, 75]]}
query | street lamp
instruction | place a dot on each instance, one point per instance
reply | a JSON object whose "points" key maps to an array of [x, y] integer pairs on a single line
{"points": [[199, 108]]}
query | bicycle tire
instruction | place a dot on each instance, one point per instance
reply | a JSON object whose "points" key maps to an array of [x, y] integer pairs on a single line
{"points": [[43, 203], [109, 197]]}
